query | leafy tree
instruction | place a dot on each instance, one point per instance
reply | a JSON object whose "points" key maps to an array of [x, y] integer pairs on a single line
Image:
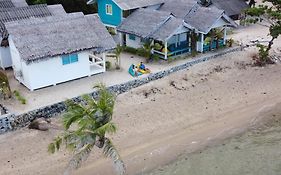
{"points": [[270, 13], [69, 5], [86, 125]]}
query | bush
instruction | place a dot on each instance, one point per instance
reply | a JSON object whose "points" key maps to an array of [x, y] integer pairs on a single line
{"points": [[19, 97], [130, 50], [230, 42], [142, 52], [263, 56], [155, 57], [111, 30], [5, 89], [107, 65]]}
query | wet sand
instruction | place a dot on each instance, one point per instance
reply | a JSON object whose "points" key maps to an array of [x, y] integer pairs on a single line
{"points": [[255, 152]]}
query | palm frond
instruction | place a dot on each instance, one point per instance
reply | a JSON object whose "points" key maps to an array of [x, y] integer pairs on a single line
{"points": [[110, 151], [74, 113], [107, 128], [78, 158], [55, 145]]}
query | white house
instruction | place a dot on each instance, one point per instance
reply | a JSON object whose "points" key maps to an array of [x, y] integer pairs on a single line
{"points": [[13, 10], [52, 50]]}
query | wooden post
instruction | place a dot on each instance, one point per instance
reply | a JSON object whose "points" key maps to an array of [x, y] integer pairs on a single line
{"points": [[166, 50], [224, 36], [202, 43], [152, 44], [103, 58]]}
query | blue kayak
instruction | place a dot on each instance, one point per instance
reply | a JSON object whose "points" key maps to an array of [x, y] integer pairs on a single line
{"points": [[132, 72]]}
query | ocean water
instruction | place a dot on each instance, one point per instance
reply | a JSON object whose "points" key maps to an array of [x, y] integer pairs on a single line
{"points": [[253, 153]]}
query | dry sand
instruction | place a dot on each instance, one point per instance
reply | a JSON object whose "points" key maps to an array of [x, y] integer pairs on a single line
{"points": [[164, 119]]}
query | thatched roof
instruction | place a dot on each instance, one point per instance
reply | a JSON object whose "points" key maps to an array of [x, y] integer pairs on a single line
{"points": [[42, 38], [180, 8], [204, 18], [144, 22], [166, 30], [6, 4], [160, 25], [132, 4], [12, 3], [231, 7], [19, 3], [57, 10], [19, 13]]}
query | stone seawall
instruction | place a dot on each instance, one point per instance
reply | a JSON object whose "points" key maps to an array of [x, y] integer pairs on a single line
{"points": [[9, 122]]}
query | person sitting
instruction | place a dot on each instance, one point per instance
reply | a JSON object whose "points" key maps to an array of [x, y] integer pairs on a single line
{"points": [[142, 66], [135, 69]]}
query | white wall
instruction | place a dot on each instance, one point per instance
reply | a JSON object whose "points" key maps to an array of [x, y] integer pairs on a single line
{"points": [[50, 71], [5, 57], [133, 43]]}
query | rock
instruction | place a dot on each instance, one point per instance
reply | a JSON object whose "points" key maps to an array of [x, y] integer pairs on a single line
{"points": [[41, 124]]}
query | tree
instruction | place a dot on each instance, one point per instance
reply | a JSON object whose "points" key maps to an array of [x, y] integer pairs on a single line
{"points": [[118, 50], [69, 5], [92, 120], [272, 15]]}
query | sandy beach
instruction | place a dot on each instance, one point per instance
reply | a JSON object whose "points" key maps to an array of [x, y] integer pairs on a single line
{"points": [[160, 121]]}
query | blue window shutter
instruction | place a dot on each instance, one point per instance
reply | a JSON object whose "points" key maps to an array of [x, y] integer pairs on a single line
{"points": [[74, 58], [65, 60]]}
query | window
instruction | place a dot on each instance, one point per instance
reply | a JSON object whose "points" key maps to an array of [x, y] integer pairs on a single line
{"points": [[68, 59], [132, 37], [108, 9]]}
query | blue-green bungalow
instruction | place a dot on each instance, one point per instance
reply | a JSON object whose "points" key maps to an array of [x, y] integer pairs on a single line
{"points": [[173, 27], [112, 12]]}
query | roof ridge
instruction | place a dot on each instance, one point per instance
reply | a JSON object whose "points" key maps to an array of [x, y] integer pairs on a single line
{"points": [[161, 24]]}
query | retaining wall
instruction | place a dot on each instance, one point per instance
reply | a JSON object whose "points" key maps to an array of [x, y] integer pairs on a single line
{"points": [[9, 122]]}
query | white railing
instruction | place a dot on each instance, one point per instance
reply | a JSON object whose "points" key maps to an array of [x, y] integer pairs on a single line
{"points": [[97, 64]]}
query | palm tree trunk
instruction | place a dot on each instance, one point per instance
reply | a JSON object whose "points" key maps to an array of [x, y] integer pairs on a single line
{"points": [[270, 44]]}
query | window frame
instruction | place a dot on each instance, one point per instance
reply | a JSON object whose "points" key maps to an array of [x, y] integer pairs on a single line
{"points": [[69, 59], [108, 9]]}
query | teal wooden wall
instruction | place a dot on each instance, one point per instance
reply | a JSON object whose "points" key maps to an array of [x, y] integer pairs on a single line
{"points": [[114, 19]]}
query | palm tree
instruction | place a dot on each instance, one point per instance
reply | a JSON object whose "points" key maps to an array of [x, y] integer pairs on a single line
{"points": [[92, 120], [118, 50]]}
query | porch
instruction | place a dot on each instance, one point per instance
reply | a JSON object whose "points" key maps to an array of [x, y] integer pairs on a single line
{"points": [[215, 39], [177, 45], [97, 63]]}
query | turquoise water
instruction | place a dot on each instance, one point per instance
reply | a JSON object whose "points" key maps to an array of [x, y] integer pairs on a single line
{"points": [[253, 153]]}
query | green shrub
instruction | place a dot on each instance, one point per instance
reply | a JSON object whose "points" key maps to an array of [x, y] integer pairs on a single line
{"points": [[130, 50], [5, 89], [230, 42], [155, 57], [141, 52], [111, 30], [107, 65], [19, 97]]}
